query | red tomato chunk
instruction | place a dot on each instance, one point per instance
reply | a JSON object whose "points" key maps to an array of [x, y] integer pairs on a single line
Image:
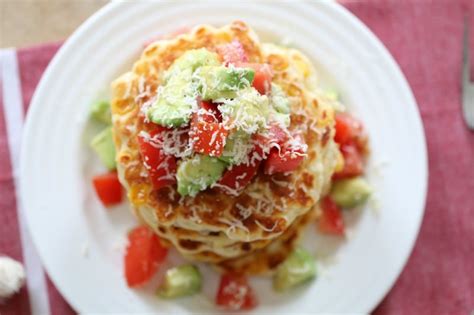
{"points": [[331, 221], [263, 76], [353, 163], [212, 112], [275, 137], [239, 176], [108, 188], [235, 293], [284, 161], [352, 140], [350, 131], [143, 255], [161, 167], [232, 53], [283, 156], [207, 134]]}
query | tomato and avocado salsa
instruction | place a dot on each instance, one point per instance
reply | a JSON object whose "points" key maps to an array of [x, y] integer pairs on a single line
{"points": [[217, 121], [234, 119]]}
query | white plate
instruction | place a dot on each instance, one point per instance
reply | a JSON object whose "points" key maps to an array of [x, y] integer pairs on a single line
{"points": [[66, 219]]}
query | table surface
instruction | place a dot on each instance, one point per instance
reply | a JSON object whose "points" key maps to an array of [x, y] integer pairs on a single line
{"points": [[30, 22]]}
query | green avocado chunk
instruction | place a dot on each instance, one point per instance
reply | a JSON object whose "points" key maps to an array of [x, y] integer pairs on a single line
{"points": [[279, 100], [236, 148], [332, 94], [198, 173], [104, 146], [280, 109], [223, 82], [298, 268], [248, 111], [174, 105], [100, 111], [180, 281], [192, 60], [351, 192], [178, 95]]}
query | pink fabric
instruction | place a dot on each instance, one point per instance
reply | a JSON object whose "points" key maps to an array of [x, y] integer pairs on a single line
{"points": [[425, 38], [33, 62], [10, 243]]}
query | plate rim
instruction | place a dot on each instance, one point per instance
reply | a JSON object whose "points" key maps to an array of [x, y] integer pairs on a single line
{"points": [[35, 105]]}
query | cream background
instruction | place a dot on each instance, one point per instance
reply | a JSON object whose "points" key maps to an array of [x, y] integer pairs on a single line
{"points": [[30, 22]]}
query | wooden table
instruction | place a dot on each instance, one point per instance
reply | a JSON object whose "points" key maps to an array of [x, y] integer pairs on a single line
{"points": [[30, 22]]}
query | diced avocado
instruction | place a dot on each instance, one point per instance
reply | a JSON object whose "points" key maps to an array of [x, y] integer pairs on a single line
{"points": [[281, 119], [178, 95], [198, 173], [350, 193], [223, 82], [332, 94], [175, 101], [191, 60], [248, 111], [236, 148], [100, 111], [298, 268], [280, 101], [280, 109], [180, 281], [104, 146]]}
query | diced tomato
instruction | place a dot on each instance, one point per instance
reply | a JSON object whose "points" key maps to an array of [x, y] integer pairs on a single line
{"points": [[352, 141], [331, 221], [143, 255], [108, 188], [278, 147], [276, 136], [353, 162], [261, 145], [282, 161], [239, 176], [349, 130], [212, 112], [283, 157], [263, 79], [207, 137], [161, 167], [263, 76], [235, 293], [232, 53]]}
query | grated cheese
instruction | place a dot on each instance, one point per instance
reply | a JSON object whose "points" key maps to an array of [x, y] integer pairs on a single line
{"points": [[233, 224], [280, 183], [243, 211], [227, 189], [238, 294], [263, 227], [169, 211]]}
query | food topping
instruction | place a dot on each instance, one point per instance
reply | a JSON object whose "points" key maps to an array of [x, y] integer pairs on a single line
{"points": [[235, 294], [108, 188], [234, 116], [143, 255], [297, 269], [180, 281]]}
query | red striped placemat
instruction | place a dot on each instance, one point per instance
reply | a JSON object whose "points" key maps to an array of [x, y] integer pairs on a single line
{"points": [[425, 38]]}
